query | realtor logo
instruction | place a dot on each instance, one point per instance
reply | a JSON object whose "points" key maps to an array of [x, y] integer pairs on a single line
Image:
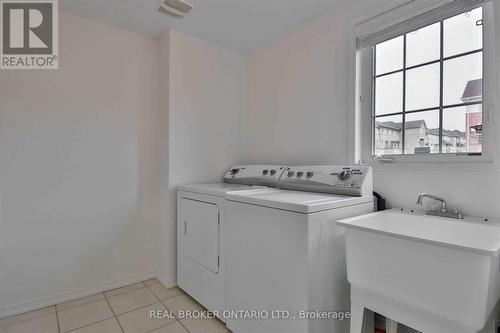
{"points": [[29, 34]]}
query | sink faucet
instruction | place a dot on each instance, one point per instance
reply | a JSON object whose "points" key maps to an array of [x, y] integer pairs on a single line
{"points": [[430, 196], [443, 212]]}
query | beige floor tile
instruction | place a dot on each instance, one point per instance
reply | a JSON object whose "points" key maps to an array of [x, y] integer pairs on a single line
{"points": [[150, 282], [84, 315], [182, 302], [140, 321], [28, 315], [80, 301], [43, 324], [132, 300], [125, 289], [106, 326], [175, 327], [163, 293], [204, 325]]}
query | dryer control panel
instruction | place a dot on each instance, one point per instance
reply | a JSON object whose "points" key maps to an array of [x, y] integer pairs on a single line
{"points": [[266, 175], [344, 180]]}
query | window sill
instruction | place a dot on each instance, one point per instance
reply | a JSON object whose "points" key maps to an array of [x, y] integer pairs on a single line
{"points": [[434, 163]]}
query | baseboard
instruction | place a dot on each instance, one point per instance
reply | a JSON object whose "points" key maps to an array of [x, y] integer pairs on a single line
{"points": [[73, 294]]}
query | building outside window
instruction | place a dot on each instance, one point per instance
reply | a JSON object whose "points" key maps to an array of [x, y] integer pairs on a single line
{"points": [[422, 139]]}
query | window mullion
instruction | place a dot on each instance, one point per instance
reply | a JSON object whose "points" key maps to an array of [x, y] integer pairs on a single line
{"points": [[403, 121], [441, 86]]}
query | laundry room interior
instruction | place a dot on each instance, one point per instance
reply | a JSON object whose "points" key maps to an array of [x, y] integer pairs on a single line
{"points": [[206, 166]]}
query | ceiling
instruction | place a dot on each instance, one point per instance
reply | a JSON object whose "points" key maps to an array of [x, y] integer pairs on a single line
{"points": [[242, 24]]}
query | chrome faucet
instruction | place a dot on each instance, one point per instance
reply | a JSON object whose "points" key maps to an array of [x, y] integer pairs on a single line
{"points": [[421, 197], [443, 212]]}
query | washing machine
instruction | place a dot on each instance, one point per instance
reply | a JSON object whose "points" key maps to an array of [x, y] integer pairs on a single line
{"points": [[200, 231], [286, 265]]}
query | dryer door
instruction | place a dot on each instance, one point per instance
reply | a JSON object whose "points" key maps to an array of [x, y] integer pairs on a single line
{"points": [[200, 237]]}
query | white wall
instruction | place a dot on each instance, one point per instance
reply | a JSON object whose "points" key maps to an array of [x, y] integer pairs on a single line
{"points": [[297, 92], [298, 109], [78, 168], [91, 154], [206, 121], [207, 100]]}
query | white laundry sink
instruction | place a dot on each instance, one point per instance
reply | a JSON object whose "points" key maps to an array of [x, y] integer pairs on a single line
{"points": [[437, 275]]}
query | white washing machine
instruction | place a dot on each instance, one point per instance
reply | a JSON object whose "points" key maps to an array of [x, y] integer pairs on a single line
{"points": [[200, 231], [285, 253]]}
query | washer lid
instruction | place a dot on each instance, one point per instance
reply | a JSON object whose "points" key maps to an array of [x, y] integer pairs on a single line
{"points": [[295, 201], [218, 189]]}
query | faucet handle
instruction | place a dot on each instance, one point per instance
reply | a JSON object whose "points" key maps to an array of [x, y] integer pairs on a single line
{"points": [[457, 213]]}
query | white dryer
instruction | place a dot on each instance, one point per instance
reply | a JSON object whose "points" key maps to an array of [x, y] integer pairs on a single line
{"points": [[200, 232], [285, 252]]}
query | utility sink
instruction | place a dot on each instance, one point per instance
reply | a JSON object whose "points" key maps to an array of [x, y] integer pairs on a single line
{"points": [[436, 275]]}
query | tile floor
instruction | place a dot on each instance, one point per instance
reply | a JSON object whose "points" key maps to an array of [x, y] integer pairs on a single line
{"points": [[122, 310]]}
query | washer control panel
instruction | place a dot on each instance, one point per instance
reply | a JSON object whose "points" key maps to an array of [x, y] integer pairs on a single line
{"points": [[344, 180], [267, 175]]}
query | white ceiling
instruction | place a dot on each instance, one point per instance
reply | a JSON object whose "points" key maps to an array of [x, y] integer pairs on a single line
{"points": [[242, 24]]}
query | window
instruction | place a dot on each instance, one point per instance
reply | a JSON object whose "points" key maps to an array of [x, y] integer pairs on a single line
{"points": [[428, 88], [425, 82]]}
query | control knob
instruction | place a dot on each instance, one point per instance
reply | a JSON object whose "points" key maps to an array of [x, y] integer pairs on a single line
{"points": [[309, 174], [234, 171], [272, 173], [265, 172], [300, 174], [344, 175], [291, 173]]}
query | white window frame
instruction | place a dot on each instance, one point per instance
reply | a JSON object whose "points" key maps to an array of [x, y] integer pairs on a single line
{"points": [[361, 95]]}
